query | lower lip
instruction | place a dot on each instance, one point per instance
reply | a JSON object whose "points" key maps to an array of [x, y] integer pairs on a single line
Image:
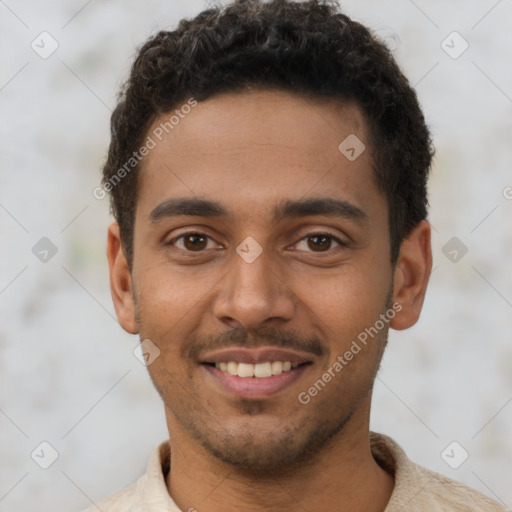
{"points": [[252, 387]]}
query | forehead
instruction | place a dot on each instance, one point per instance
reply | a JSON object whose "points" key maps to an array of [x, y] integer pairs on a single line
{"points": [[257, 147]]}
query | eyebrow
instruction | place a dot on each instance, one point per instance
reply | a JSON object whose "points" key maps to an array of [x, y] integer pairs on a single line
{"points": [[286, 209]]}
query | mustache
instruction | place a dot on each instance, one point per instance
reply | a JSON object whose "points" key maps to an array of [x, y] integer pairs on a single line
{"points": [[244, 338]]}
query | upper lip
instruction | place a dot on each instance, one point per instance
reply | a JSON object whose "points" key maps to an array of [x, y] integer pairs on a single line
{"points": [[255, 356]]}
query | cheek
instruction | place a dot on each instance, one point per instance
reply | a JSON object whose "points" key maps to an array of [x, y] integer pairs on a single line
{"points": [[166, 295], [348, 300], [172, 307]]}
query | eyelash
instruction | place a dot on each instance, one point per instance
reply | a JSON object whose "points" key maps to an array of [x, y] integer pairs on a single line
{"points": [[341, 243]]}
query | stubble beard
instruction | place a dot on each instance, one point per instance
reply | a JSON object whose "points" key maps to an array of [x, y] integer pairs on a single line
{"points": [[280, 451]]}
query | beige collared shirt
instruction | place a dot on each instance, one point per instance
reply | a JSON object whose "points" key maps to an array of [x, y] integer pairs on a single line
{"points": [[416, 489]]}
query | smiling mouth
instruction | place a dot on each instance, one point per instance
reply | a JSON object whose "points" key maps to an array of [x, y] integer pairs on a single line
{"points": [[257, 371]]}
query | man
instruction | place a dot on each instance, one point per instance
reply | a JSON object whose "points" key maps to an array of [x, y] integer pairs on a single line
{"points": [[268, 170]]}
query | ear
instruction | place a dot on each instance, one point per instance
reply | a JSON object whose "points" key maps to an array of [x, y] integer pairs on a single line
{"points": [[121, 286], [411, 276]]}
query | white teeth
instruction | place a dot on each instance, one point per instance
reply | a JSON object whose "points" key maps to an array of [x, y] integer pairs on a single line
{"points": [[232, 368], [277, 367], [245, 370], [260, 370]]}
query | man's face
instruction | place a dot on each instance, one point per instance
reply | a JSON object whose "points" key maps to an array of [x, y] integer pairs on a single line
{"points": [[206, 296]]}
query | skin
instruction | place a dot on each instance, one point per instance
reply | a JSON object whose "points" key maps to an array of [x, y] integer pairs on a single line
{"points": [[249, 152]]}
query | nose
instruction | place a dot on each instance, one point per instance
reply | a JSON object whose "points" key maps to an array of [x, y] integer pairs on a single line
{"points": [[252, 294]]}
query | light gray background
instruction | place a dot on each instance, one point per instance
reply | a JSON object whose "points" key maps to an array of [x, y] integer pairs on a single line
{"points": [[67, 372]]}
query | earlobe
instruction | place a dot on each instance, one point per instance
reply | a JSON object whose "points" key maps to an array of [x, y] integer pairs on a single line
{"points": [[121, 286], [411, 276]]}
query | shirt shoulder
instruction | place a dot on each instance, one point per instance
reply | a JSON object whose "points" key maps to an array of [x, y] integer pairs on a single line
{"points": [[120, 501], [148, 494], [420, 489]]}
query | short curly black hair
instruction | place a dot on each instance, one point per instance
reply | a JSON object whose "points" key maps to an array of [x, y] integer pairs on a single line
{"points": [[309, 48]]}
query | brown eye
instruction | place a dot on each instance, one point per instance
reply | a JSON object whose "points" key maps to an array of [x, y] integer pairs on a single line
{"points": [[319, 243], [195, 242], [192, 242]]}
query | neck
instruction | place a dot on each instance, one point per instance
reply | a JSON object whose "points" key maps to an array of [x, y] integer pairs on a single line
{"points": [[343, 476]]}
